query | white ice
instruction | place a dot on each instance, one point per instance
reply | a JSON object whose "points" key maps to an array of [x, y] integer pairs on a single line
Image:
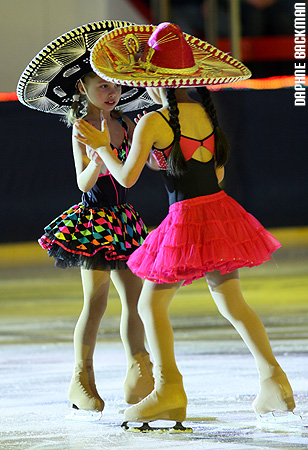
{"points": [[219, 375]]}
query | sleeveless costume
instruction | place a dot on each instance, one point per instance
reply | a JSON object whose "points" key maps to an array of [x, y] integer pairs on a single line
{"points": [[205, 229], [100, 232]]}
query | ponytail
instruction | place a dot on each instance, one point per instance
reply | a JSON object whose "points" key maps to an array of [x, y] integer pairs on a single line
{"points": [[221, 141], [76, 110], [176, 163]]}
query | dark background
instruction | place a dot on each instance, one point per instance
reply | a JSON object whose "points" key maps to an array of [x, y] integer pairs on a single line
{"points": [[266, 173]]}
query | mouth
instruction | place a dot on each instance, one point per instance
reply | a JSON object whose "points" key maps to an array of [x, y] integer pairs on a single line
{"points": [[111, 103]]}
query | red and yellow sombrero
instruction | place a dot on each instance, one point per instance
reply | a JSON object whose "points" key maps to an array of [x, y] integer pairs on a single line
{"points": [[162, 56]]}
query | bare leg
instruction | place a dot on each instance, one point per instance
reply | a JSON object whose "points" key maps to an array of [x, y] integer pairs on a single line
{"points": [[83, 391], [168, 400], [275, 392], [139, 380]]}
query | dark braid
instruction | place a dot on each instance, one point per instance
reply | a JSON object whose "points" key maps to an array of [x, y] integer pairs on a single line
{"points": [[221, 141], [177, 164]]}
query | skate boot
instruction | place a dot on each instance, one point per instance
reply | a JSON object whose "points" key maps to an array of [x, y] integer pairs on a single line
{"points": [[167, 401], [82, 392], [275, 394], [139, 381]]}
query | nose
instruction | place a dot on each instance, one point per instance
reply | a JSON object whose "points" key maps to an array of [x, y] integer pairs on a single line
{"points": [[112, 91]]}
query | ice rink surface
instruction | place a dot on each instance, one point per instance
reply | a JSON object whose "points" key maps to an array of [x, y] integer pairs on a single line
{"points": [[38, 315], [219, 376]]}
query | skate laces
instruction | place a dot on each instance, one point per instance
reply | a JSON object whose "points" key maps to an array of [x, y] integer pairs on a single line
{"points": [[142, 367], [82, 379], [84, 386]]}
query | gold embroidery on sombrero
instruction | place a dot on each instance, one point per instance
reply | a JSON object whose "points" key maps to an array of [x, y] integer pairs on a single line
{"points": [[168, 38], [48, 82], [132, 44], [157, 63]]}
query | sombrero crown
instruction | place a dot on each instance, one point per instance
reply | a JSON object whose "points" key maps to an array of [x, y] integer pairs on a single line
{"points": [[168, 50], [145, 55], [49, 81]]}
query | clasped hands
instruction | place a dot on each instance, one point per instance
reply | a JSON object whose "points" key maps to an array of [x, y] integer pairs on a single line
{"points": [[91, 136]]}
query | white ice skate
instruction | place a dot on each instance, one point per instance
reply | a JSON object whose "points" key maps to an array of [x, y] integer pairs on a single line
{"points": [[275, 404], [82, 415], [166, 402], [84, 400], [139, 381]]}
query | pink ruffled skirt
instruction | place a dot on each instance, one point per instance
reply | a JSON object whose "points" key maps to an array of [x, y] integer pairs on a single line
{"points": [[200, 235]]}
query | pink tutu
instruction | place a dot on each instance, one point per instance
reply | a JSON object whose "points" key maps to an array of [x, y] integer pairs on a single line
{"points": [[201, 235]]}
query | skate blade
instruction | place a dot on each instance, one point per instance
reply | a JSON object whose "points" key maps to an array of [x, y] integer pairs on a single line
{"points": [[146, 428], [279, 420], [81, 415]]}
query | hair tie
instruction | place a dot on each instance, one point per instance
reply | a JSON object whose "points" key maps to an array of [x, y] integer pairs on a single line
{"points": [[76, 97]]}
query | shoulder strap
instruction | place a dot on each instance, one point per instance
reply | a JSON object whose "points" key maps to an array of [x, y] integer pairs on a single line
{"points": [[122, 122], [161, 114]]}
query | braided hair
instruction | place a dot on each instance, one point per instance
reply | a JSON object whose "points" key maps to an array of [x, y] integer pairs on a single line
{"points": [[177, 164], [221, 141]]}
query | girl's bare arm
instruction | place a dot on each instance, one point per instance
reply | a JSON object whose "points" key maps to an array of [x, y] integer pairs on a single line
{"points": [[87, 170], [144, 137]]}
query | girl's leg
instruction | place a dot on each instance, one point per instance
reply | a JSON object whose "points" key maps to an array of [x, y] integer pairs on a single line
{"points": [[129, 288], [168, 400], [276, 392], [82, 392], [139, 380]]}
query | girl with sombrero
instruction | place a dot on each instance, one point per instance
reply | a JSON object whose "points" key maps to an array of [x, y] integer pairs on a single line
{"points": [[206, 233], [101, 232]]}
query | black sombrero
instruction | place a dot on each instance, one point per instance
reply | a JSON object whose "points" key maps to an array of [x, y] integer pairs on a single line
{"points": [[49, 81]]}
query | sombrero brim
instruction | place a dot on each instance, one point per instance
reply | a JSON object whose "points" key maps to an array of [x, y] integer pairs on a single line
{"points": [[49, 81], [112, 58]]}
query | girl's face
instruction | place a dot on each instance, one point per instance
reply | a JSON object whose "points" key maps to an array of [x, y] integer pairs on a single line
{"points": [[100, 93]]}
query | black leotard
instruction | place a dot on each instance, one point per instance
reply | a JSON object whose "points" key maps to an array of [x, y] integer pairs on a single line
{"points": [[200, 178]]}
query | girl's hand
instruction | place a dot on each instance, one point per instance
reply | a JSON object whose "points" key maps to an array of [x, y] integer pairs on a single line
{"points": [[136, 119], [89, 135], [94, 156]]}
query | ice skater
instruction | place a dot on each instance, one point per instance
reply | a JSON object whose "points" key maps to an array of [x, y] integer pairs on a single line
{"points": [[100, 232], [206, 233]]}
